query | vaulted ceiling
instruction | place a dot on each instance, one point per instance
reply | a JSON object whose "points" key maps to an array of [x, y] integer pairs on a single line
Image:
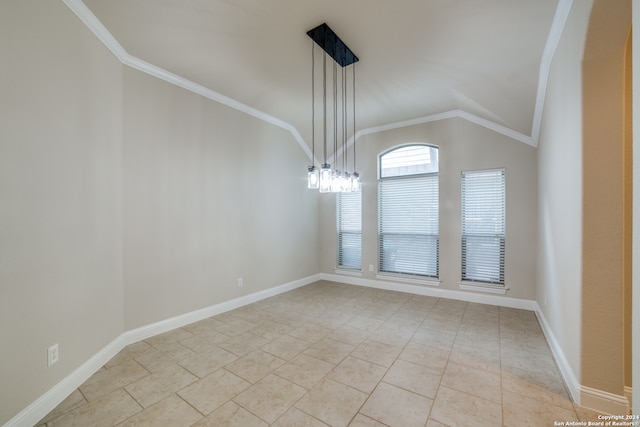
{"points": [[483, 60]]}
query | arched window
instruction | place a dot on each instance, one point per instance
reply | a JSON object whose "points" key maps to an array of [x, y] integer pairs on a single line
{"points": [[408, 210]]}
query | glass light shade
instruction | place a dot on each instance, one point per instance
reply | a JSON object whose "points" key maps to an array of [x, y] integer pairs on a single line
{"points": [[355, 182], [335, 181], [345, 183], [325, 178], [313, 178]]}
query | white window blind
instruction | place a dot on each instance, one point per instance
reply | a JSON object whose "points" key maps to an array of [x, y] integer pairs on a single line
{"points": [[483, 226], [349, 227], [408, 225]]}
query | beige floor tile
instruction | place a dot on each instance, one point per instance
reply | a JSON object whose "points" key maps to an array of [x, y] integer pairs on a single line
{"points": [[235, 327], [105, 411], [440, 323], [428, 356], [128, 353], [348, 335], [515, 384], [433, 423], [533, 368], [395, 406], [281, 342], [587, 414], [107, 380], [231, 415], [358, 373], [202, 326], [204, 342], [329, 350], [171, 411], [527, 342], [310, 332], [332, 402], [474, 381], [415, 378], [155, 387], [212, 391], [363, 421], [376, 352], [365, 323], [271, 330], [255, 365], [523, 411], [489, 329], [202, 364], [489, 343], [457, 409], [474, 358], [73, 401], [304, 370], [296, 418], [155, 360], [286, 347], [388, 335], [243, 343], [270, 397], [436, 339], [173, 336]]}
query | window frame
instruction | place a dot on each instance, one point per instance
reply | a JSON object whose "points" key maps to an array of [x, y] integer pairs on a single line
{"points": [[431, 264], [341, 232], [498, 238]]}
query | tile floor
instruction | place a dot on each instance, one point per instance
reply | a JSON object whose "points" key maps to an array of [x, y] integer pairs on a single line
{"points": [[337, 355]]}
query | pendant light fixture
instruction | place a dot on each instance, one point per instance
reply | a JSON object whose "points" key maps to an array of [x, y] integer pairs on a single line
{"points": [[327, 179]]}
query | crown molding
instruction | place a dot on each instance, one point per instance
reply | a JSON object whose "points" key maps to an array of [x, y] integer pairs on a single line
{"points": [[102, 33], [555, 33]]}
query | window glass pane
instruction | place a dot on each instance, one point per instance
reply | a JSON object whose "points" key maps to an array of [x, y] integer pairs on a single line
{"points": [[409, 160], [483, 226], [408, 207], [349, 226]]}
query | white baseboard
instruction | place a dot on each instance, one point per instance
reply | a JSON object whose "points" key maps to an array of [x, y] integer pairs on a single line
{"points": [[598, 400], [166, 325], [603, 401], [47, 402], [434, 291], [33, 413], [569, 377]]}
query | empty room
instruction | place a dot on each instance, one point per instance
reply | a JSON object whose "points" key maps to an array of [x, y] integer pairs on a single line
{"points": [[318, 213]]}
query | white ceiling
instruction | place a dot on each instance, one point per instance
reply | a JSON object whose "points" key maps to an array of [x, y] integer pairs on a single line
{"points": [[417, 57]]}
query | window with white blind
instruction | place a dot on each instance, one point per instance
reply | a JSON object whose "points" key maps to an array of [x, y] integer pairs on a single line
{"points": [[349, 227], [408, 223], [483, 226]]}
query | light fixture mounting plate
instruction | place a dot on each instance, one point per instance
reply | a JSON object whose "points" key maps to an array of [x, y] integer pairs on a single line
{"points": [[331, 43]]}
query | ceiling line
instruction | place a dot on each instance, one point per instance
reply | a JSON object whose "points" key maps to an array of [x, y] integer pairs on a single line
{"points": [[555, 33], [102, 33]]}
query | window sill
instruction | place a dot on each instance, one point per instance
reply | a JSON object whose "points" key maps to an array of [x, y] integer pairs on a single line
{"points": [[401, 278], [479, 287], [348, 272]]}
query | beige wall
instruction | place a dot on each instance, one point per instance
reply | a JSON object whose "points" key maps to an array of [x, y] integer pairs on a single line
{"points": [[603, 197], [126, 200], [60, 192], [462, 146], [559, 289], [210, 195]]}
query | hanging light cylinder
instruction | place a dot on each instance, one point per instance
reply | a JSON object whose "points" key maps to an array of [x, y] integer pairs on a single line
{"points": [[327, 179]]}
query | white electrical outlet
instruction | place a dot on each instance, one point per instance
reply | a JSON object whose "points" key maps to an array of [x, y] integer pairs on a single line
{"points": [[370, 267], [52, 355], [240, 282]]}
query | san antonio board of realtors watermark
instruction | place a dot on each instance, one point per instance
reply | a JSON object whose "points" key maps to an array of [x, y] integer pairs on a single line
{"points": [[604, 421]]}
